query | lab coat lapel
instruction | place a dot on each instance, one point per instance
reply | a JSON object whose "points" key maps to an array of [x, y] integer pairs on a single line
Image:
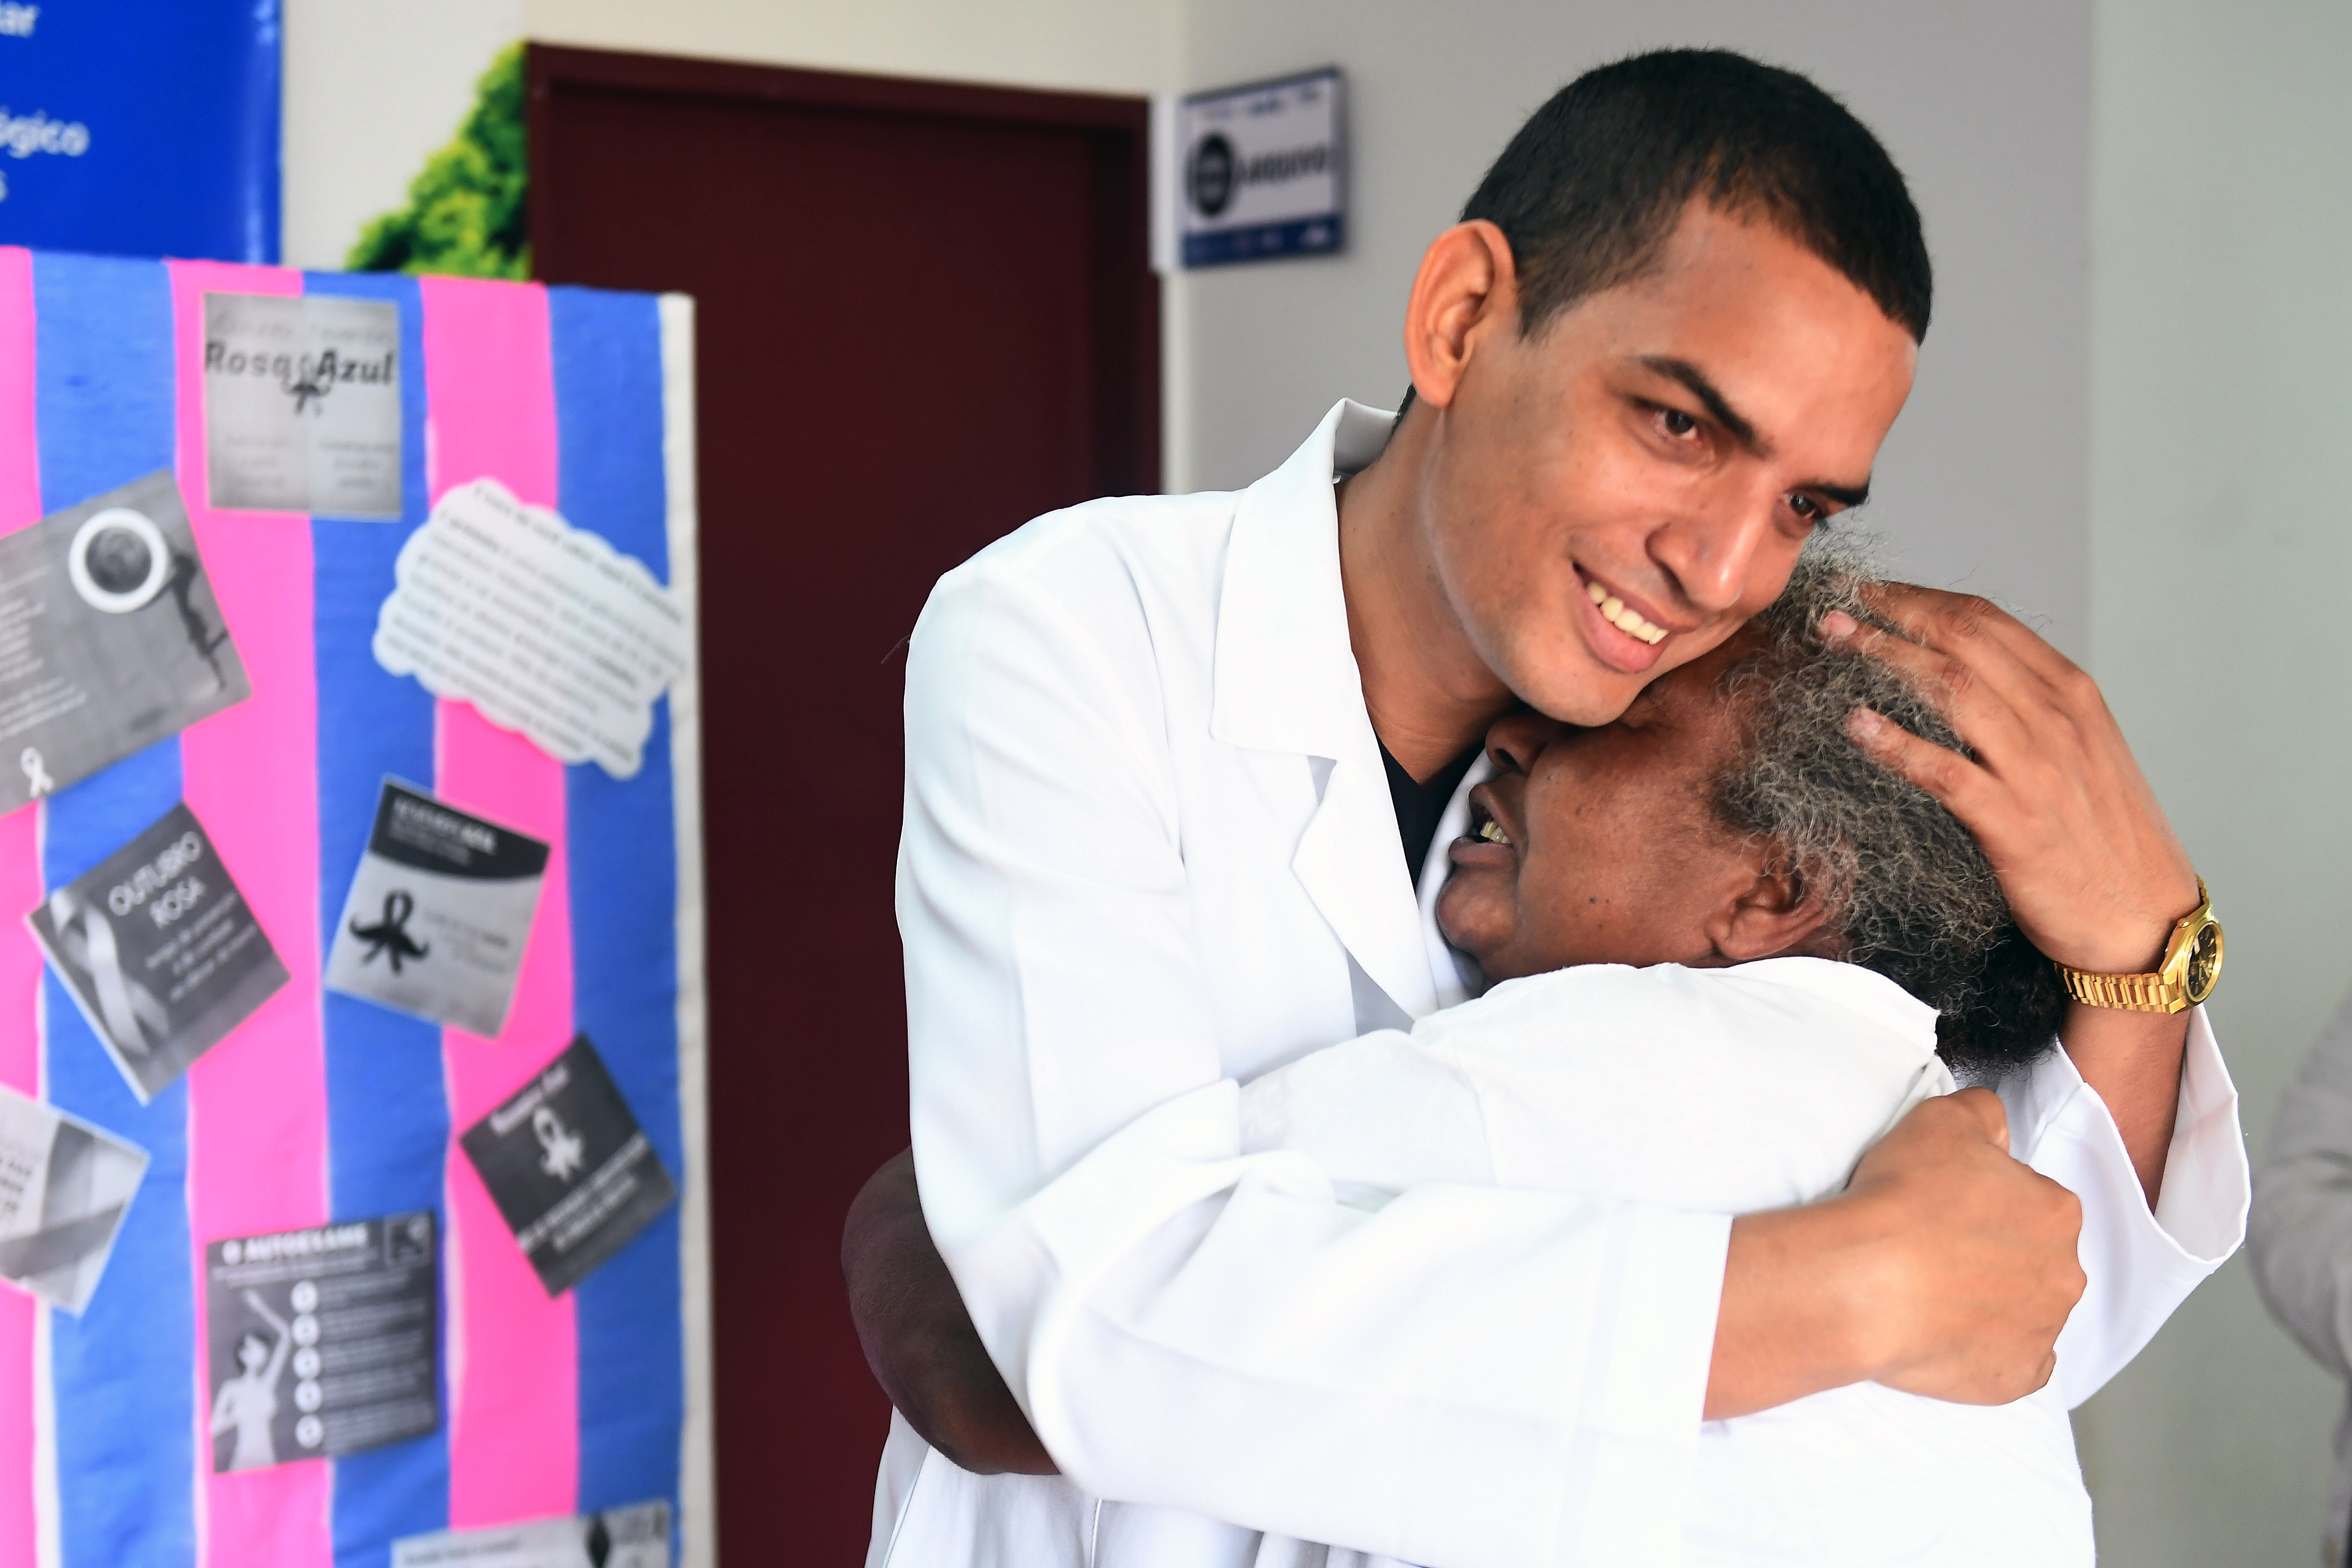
{"points": [[1287, 681]]}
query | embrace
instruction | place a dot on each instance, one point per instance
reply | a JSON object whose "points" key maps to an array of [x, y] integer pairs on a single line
{"points": [[1439, 982]]}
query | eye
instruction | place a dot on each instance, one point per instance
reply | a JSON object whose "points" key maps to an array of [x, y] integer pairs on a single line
{"points": [[1677, 422], [1807, 507]]}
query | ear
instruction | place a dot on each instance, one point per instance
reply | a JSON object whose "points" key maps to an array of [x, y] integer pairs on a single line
{"points": [[1775, 915], [1467, 281]]}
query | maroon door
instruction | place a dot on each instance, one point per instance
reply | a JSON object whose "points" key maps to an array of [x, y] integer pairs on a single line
{"points": [[925, 315]]}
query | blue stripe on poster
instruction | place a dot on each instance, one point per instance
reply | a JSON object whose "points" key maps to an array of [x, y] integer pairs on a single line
{"points": [[124, 1372], [608, 401], [387, 1108]]}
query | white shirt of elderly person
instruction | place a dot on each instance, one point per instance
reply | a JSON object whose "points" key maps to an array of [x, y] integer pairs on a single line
{"points": [[1149, 854]]}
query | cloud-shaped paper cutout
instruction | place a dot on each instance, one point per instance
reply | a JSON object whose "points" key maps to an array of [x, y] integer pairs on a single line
{"points": [[544, 627]]}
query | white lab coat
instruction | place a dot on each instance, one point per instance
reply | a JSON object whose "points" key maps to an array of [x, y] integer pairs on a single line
{"points": [[2303, 1232], [1149, 853], [1738, 1089]]}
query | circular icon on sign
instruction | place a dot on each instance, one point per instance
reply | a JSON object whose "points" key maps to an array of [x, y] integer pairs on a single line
{"points": [[306, 1363], [305, 1295], [118, 561], [306, 1397], [309, 1431], [306, 1329], [1210, 178]]}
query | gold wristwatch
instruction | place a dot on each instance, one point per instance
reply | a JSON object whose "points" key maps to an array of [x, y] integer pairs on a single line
{"points": [[2183, 977]]}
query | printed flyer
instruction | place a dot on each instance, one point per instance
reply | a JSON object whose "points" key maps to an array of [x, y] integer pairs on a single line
{"points": [[438, 912], [636, 1536], [303, 403], [110, 638], [64, 1186], [350, 1311], [569, 1167], [159, 951]]}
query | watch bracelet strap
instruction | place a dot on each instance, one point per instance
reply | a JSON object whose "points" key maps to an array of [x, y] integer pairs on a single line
{"points": [[2130, 992]]}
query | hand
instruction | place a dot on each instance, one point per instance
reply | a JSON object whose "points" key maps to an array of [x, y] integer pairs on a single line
{"points": [[919, 1338], [2091, 869], [1979, 1268], [1946, 1268]]}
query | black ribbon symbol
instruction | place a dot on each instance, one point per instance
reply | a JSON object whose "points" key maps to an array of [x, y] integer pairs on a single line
{"points": [[390, 936]]}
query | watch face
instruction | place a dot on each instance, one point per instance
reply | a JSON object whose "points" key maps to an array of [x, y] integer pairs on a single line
{"points": [[2204, 964]]}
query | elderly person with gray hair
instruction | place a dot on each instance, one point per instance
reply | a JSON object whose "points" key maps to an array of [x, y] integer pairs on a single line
{"points": [[2302, 1233], [1727, 953]]}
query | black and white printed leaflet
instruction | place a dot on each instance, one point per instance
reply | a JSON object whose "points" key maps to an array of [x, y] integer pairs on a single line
{"points": [[321, 1340], [110, 638], [438, 912], [569, 1167], [159, 950]]}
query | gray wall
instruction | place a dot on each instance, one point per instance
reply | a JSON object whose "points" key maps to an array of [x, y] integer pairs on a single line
{"points": [[1986, 107], [2220, 545]]}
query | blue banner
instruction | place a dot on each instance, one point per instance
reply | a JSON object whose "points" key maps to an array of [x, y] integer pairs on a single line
{"points": [[140, 127]]}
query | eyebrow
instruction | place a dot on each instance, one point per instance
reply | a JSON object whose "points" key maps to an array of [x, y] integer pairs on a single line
{"points": [[1694, 380]]}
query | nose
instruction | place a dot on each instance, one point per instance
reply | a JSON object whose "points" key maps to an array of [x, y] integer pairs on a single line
{"points": [[1710, 554], [1515, 742]]}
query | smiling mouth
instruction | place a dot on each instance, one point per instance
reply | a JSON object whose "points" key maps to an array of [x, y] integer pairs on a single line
{"points": [[1623, 616], [1483, 824]]}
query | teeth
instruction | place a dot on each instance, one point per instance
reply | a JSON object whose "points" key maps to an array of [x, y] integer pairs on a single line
{"points": [[1492, 832], [1616, 612]]}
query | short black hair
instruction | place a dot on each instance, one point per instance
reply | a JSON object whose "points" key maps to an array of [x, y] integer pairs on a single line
{"points": [[1593, 185]]}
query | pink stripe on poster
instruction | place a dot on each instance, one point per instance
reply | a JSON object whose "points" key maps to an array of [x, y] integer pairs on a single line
{"points": [[20, 889], [257, 1102], [514, 1439]]}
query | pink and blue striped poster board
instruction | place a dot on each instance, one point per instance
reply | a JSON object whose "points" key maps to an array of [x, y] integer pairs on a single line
{"points": [[320, 1108]]}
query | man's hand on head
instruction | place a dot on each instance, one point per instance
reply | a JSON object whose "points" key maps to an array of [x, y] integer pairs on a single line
{"points": [[2092, 871], [1946, 1268]]}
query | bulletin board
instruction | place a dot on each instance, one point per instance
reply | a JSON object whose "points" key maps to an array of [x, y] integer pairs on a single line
{"points": [[352, 1199]]}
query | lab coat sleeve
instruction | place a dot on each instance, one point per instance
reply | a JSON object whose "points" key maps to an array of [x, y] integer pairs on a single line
{"points": [[2139, 1263], [1465, 1378], [2301, 1241]]}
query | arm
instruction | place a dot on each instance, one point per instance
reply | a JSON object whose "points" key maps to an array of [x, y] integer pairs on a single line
{"points": [[284, 1335], [2136, 1115], [1812, 1296], [1946, 1268], [2092, 870], [277, 1324], [919, 1340], [2302, 1205]]}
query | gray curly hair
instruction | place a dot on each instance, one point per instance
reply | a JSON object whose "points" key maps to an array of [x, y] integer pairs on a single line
{"points": [[1910, 892]]}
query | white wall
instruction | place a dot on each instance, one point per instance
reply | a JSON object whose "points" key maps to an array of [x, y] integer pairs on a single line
{"points": [[2221, 543], [372, 90], [1085, 46], [1984, 106]]}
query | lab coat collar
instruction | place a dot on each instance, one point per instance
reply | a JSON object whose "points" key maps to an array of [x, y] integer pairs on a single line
{"points": [[1286, 674], [1287, 681]]}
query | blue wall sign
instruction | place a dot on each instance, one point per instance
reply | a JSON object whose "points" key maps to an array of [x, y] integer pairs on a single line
{"points": [[140, 127], [1262, 174]]}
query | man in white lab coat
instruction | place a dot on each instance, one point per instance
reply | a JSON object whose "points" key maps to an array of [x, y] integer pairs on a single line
{"points": [[1162, 757]]}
